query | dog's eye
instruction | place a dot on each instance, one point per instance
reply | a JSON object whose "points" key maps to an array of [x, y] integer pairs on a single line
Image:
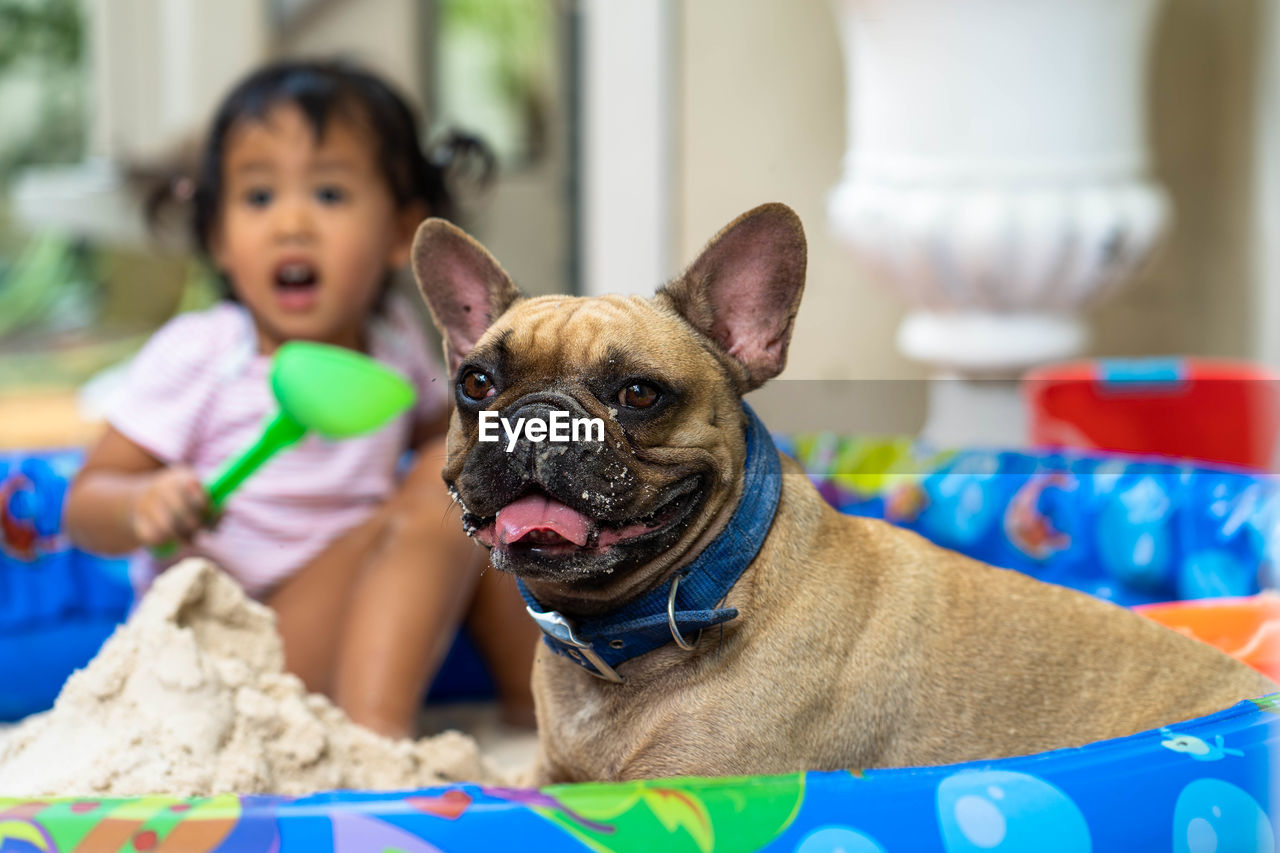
{"points": [[638, 395], [476, 385]]}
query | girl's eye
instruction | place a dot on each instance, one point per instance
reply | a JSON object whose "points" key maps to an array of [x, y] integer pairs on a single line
{"points": [[476, 385], [257, 197], [638, 395], [331, 195]]}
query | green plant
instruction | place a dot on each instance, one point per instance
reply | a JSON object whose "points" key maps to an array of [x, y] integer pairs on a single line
{"points": [[45, 31], [41, 46]]}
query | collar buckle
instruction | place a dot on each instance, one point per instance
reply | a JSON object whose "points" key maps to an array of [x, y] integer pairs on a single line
{"points": [[559, 629]]}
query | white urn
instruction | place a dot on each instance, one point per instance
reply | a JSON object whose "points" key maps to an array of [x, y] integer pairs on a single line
{"points": [[997, 169]]}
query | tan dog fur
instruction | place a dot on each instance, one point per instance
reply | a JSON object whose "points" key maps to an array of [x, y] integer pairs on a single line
{"points": [[858, 644]]}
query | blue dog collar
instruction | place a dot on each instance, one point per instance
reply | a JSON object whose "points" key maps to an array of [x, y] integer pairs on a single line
{"points": [[687, 604]]}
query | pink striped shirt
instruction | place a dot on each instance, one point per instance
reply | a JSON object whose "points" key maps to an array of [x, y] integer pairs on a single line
{"points": [[197, 393]]}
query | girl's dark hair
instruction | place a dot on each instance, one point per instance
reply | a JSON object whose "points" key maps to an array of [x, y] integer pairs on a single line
{"points": [[328, 88]]}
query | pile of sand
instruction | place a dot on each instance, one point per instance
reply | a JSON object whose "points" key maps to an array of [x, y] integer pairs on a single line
{"points": [[190, 698]]}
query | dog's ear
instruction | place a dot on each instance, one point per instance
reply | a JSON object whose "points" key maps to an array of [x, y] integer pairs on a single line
{"points": [[743, 291], [464, 287]]}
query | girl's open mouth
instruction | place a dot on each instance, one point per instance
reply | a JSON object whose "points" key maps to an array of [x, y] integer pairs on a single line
{"points": [[296, 285]]}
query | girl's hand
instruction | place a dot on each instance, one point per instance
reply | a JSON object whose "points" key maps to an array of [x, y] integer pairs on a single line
{"points": [[172, 506]]}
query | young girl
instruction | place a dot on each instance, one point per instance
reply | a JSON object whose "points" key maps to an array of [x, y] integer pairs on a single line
{"points": [[310, 189]]}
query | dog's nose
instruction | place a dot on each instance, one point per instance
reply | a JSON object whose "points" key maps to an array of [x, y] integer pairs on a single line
{"points": [[574, 463], [557, 412], [542, 405]]}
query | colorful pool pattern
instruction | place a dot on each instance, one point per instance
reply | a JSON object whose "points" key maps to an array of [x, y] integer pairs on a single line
{"points": [[57, 603], [1203, 785], [1128, 529]]}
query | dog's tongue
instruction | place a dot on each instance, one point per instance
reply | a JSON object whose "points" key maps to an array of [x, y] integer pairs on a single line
{"points": [[540, 512]]}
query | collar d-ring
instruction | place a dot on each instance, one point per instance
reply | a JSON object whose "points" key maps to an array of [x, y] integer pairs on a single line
{"points": [[671, 618]]}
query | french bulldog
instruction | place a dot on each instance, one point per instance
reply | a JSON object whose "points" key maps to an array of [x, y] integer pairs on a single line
{"points": [[705, 611]]}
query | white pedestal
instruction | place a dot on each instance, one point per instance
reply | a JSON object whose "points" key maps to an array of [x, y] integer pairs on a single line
{"points": [[968, 412]]}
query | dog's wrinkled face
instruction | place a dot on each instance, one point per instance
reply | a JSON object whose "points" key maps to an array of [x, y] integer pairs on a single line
{"points": [[615, 505], [617, 499]]}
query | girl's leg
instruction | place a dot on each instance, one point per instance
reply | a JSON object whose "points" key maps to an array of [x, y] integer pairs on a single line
{"points": [[406, 604], [506, 638], [310, 605], [369, 620]]}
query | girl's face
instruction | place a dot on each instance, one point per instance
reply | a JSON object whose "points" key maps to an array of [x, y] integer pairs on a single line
{"points": [[308, 228]]}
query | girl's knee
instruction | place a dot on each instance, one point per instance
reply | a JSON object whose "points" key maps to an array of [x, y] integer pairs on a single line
{"points": [[425, 518], [423, 508], [428, 466]]}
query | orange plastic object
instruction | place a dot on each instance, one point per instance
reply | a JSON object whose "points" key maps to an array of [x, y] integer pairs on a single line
{"points": [[1247, 628]]}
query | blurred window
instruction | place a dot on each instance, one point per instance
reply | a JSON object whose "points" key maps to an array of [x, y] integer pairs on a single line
{"points": [[78, 290], [496, 73]]}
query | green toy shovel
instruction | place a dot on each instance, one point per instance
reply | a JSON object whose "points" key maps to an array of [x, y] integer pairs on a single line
{"points": [[335, 392]]}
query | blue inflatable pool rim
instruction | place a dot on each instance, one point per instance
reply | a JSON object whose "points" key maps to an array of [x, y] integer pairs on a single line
{"points": [[1205, 784]]}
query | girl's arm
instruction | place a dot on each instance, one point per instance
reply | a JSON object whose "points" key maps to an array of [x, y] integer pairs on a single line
{"points": [[124, 498]]}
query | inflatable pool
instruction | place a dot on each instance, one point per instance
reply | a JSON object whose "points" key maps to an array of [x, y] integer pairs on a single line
{"points": [[57, 603], [1203, 785], [1134, 531]]}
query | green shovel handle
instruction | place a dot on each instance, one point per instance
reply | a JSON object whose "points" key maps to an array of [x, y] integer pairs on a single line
{"points": [[281, 432]]}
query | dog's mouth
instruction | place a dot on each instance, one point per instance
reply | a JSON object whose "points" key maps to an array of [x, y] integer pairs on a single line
{"points": [[538, 524]]}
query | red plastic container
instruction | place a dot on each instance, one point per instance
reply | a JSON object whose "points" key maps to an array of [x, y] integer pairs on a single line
{"points": [[1209, 410]]}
